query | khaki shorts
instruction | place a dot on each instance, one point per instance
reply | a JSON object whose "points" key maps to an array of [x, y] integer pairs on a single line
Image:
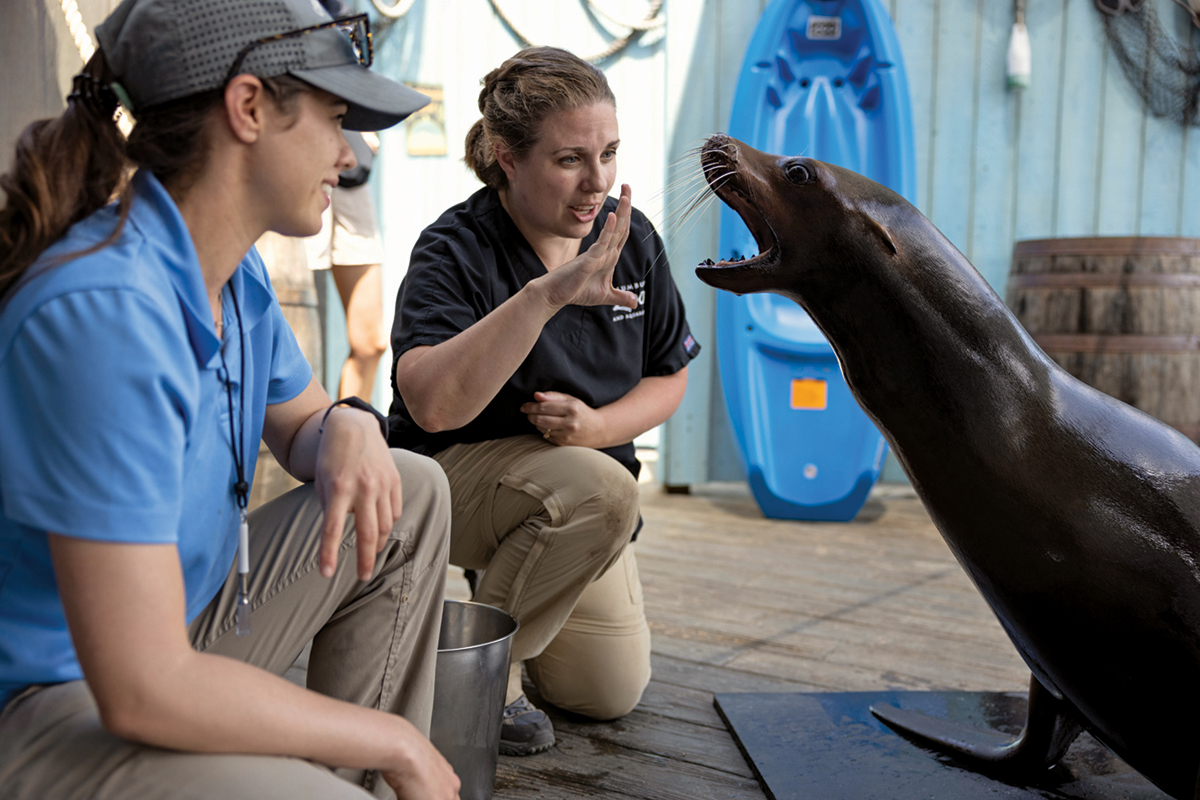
{"points": [[349, 234]]}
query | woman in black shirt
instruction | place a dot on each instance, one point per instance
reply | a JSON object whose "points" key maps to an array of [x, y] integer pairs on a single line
{"points": [[535, 338]]}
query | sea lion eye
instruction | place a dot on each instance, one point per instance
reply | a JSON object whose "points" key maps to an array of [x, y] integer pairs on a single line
{"points": [[797, 173]]}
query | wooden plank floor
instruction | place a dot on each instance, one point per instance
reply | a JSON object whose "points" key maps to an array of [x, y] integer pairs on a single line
{"points": [[737, 602]]}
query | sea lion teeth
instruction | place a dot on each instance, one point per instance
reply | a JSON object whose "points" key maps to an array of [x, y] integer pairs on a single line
{"points": [[1076, 516]]}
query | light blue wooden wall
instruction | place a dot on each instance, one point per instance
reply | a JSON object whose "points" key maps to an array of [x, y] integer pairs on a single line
{"points": [[1074, 154]]}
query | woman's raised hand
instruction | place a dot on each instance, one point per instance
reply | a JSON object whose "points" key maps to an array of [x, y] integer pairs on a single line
{"points": [[586, 280]]}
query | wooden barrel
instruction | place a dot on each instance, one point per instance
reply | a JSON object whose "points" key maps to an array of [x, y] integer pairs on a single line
{"points": [[292, 280], [1122, 314]]}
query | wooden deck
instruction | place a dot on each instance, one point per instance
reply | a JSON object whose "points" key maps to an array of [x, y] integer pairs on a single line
{"points": [[737, 602]]}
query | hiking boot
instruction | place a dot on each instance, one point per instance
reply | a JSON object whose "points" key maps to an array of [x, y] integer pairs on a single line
{"points": [[525, 729]]}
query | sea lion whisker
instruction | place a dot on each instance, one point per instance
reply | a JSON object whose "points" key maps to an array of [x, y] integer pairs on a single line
{"points": [[695, 205], [682, 223], [691, 177], [685, 162], [714, 179], [679, 211], [660, 257], [676, 224], [685, 232], [691, 152], [683, 186], [698, 192]]}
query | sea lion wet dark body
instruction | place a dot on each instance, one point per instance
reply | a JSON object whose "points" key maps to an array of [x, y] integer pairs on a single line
{"points": [[1077, 516]]}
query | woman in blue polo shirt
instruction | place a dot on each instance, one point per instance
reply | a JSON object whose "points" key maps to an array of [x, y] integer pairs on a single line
{"points": [[537, 333], [145, 620]]}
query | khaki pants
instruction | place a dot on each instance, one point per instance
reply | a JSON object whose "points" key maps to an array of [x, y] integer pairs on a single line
{"points": [[374, 644], [550, 527]]}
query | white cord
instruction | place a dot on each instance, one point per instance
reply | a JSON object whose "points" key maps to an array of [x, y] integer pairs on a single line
{"points": [[79, 31], [396, 10], [653, 20]]}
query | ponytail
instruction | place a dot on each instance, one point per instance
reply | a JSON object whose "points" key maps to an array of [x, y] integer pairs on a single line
{"points": [[481, 159], [65, 169]]}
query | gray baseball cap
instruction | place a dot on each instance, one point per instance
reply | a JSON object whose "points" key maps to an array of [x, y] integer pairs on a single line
{"points": [[162, 50]]}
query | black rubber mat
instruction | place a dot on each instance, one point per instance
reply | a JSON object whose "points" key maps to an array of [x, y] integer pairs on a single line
{"points": [[828, 746]]}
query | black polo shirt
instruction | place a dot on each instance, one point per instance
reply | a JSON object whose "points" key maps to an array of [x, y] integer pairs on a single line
{"points": [[474, 258]]}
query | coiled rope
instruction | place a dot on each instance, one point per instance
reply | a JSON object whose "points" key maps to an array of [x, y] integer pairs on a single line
{"points": [[653, 20]]}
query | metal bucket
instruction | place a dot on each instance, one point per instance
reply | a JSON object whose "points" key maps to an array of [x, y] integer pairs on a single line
{"points": [[468, 697]]}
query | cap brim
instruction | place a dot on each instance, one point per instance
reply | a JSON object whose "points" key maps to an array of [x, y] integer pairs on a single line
{"points": [[375, 102]]}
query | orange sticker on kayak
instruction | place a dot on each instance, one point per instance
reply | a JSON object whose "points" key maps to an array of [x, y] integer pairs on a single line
{"points": [[809, 393]]}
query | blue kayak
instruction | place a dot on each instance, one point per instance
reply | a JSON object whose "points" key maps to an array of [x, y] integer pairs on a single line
{"points": [[824, 79]]}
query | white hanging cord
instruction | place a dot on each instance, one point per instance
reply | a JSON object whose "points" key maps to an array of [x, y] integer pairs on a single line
{"points": [[395, 10], [79, 31], [653, 20]]}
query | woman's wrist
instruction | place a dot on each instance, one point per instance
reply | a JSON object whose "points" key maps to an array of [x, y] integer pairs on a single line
{"points": [[403, 757], [356, 404], [537, 295]]}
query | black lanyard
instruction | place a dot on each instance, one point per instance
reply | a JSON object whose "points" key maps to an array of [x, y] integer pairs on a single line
{"points": [[241, 489]]}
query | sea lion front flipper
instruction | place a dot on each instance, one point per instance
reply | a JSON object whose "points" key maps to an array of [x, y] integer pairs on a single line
{"points": [[1050, 728]]}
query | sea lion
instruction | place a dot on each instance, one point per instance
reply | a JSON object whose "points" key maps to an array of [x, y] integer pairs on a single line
{"points": [[1076, 516]]}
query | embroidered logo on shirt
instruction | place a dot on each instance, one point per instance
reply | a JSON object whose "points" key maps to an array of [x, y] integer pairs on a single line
{"points": [[621, 312]]}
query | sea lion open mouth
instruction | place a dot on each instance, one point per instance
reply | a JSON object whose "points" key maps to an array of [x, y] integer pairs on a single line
{"points": [[722, 169]]}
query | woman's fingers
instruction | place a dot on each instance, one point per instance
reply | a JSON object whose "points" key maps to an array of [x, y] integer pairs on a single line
{"points": [[376, 507], [366, 528], [625, 299], [397, 495], [386, 521], [621, 221], [336, 509], [604, 242], [624, 213], [616, 228]]}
